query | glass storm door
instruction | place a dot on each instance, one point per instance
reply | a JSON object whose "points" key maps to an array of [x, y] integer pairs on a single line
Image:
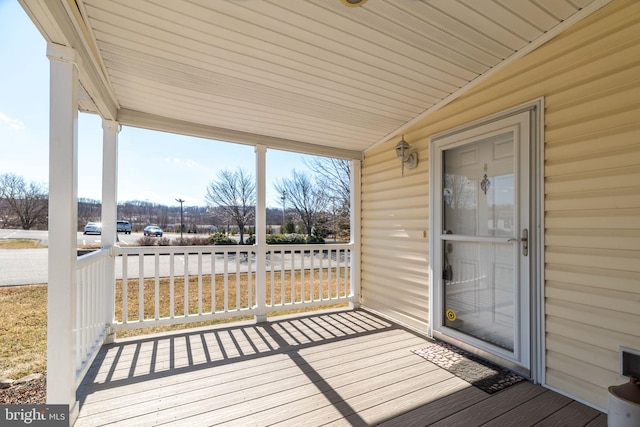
{"points": [[482, 192]]}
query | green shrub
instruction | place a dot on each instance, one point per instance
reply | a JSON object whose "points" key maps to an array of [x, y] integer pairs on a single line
{"points": [[220, 238], [289, 226], [286, 239], [317, 240], [295, 239]]}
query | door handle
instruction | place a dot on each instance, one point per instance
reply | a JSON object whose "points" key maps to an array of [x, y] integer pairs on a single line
{"points": [[525, 241]]}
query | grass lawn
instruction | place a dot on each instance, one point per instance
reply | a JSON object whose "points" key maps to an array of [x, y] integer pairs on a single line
{"points": [[20, 244], [237, 292], [23, 309], [23, 331]]}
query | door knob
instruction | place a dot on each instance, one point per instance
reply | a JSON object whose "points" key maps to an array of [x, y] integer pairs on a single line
{"points": [[525, 241]]}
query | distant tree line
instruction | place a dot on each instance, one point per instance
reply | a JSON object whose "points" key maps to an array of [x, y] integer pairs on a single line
{"points": [[196, 219], [313, 204]]}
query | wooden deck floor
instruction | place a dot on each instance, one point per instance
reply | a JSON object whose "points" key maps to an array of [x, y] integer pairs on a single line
{"points": [[343, 368]]}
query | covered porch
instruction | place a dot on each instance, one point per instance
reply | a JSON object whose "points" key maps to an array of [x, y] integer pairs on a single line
{"points": [[337, 367], [321, 77]]}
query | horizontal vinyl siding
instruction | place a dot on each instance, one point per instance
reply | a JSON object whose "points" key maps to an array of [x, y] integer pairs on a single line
{"points": [[592, 204], [589, 77], [395, 248]]}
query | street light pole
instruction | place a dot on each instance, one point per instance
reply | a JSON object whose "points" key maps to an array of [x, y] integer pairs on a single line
{"points": [[181, 201], [283, 198]]}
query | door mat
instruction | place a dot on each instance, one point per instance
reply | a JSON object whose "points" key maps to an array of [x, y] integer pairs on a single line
{"points": [[464, 365]]}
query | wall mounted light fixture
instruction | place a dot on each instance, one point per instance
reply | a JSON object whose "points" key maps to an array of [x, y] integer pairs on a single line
{"points": [[353, 3], [408, 159]]}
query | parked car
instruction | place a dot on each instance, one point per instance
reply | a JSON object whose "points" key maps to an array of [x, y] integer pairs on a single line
{"points": [[152, 230], [93, 228], [124, 227]]}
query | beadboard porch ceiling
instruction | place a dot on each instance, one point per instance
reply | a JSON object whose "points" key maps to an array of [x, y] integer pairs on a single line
{"points": [[312, 76]]}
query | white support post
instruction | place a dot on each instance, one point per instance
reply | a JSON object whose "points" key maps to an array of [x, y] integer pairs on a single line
{"points": [[63, 226], [110, 131], [261, 235], [355, 214]]}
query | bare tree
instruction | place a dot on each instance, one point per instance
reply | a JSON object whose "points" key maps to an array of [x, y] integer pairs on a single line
{"points": [[27, 204], [5, 217], [235, 194], [307, 198], [334, 175]]}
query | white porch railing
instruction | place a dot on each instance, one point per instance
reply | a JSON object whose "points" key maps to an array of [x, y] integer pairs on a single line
{"points": [[165, 285], [92, 307], [319, 274]]}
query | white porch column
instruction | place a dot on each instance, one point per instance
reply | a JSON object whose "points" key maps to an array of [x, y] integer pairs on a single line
{"points": [[356, 214], [261, 235], [110, 131], [63, 226]]}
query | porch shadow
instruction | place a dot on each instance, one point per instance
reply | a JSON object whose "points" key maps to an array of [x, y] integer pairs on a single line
{"points": [[124, 366], [347, 367]]}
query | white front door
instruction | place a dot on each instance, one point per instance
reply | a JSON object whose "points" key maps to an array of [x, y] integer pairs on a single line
{"points": [[481, 240]]}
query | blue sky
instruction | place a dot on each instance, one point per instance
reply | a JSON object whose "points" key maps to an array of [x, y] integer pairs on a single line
{"points": [[153, 166]]}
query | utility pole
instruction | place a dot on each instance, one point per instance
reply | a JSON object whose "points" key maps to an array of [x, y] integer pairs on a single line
{"points": [[283, 198], [181, 201]]}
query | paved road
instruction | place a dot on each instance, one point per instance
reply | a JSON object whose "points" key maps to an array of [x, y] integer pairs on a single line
{"points": [[83, 239], [23, 266], [29, 266]]}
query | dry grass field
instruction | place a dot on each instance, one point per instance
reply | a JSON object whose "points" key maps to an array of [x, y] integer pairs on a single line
{"points": [[23, 309], [23, 331], [20, 244], [285, 290]]}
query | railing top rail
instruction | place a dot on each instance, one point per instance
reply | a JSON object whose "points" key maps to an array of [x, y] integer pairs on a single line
{"points": [[91, 258], [316, 247], [207, 249], [152, 250]]}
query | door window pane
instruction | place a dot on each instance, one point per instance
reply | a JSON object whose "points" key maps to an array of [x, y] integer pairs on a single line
{"points": [[480, 290], [479, 188]]}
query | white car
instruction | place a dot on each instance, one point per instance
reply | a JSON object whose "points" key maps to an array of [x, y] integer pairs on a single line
{"points": [[152, 230], [93, 228]]}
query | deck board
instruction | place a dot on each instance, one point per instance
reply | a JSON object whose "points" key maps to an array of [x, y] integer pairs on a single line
{"points": [[494, 406], [331, 368], [532, 411], [423, 414], [599, 421], [574, 412]]}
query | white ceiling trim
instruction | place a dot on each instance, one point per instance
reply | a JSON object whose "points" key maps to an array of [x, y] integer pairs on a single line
{"points": [[182, 127]]}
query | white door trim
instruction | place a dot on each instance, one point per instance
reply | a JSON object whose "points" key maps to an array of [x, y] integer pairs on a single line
{"points": [[535, 109]]}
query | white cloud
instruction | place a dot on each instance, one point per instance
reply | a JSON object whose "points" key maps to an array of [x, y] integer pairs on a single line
{"points": [[12, 123]]}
